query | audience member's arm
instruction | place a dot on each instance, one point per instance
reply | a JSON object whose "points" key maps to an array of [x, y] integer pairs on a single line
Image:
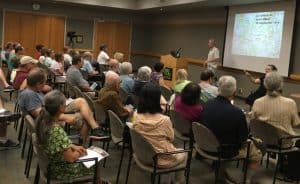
{"points": [[162, 83], [163, 104], [23, 85], [119, 108], [67, 118], [295, 117], [36, 112], [85, 88], [169, 130], [73, 153], [253, 79]]}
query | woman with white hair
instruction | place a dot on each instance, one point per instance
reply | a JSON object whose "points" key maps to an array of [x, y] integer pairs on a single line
{"points": [[273, 108], [127, 81], [143, 77]]}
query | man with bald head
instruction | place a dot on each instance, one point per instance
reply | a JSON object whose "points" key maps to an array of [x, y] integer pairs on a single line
{"points": [[109, 96]]}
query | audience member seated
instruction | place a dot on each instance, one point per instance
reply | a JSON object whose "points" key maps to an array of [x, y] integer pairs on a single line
{"points": [[181, 82], [5, 53], [49, 57], [4, 141], [16, 63], [143, 77], [279, 111], [26, 64], [156, 127], [74, 76], [114, 65], [87, 65], [67, 57], [157, 76], [58, 68], [42, 57], [228, 122], [261, 90], [55, 142], [126, 80], [38, 49], [110, 98], [119, 56], [208, 91], [31, 102], [103, 57], [188, 103]]}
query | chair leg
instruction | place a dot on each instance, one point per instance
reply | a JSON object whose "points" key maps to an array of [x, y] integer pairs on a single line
{"points": [[30, 160], [128, 167], [159, 179], [268, 157], [153, 177], [217, 165], [106, 149], [21, 129], [120, 164], [276, 168], [37, 175], [24, 145], [27, 160]]}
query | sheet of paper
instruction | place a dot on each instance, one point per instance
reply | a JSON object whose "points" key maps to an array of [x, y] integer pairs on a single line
{"points": [[93, 152], [68, 101]]}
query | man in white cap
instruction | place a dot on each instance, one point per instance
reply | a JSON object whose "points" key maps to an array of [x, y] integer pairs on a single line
{"points": [[27, 63]]}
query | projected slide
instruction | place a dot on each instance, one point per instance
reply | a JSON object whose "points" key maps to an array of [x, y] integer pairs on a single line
{"points": [[258, 34]]}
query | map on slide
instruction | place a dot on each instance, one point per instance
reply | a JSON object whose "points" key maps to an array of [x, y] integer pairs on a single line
{"points": [[258, 34]]}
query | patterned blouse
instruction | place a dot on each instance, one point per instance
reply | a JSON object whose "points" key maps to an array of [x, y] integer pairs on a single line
{"points": [[58, 142]]}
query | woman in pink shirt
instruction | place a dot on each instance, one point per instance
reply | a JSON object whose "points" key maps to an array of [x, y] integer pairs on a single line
{"points": [[188, 103]]}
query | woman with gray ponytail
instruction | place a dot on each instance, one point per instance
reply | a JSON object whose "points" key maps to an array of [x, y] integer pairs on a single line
{"points": [[54, 140], [275, 109]]}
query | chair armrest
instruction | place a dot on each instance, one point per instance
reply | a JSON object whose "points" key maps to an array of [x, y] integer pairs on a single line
{"points": [[280, 141]]}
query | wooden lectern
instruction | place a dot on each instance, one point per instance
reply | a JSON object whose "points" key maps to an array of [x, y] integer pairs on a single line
{"points": [[172, 64]]}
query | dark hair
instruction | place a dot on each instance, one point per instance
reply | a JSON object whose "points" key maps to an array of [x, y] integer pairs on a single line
{"points": [[58, 56], [190, 95], [48, 52], [19, 48], [39, 47], [76, 59], [103, 46], [8, 45], [15, 62], [53, 101], [158, 66], [206, 75], [149, 99], [36, 76], [43, 51], [273, 67]]}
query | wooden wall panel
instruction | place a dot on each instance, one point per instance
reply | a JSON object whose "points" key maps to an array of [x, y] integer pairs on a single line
{"points": [[57, 33], [31, 29], [116, 35], [27, 30], [42, 29], [12, 27], [122, 41]]}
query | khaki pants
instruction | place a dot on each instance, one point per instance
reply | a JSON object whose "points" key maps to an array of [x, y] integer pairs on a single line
{"points": [[255, 154]]}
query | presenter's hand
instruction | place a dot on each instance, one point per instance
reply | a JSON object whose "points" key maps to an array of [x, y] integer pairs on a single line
{"points": [[247, 73], [205, 63]]}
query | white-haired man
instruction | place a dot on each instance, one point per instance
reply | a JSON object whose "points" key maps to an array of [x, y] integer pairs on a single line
{"points": [[213, 57], [109, 97], [228, 122]]}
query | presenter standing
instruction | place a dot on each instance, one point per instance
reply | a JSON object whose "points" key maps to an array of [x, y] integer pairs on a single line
{"points": [[213, 57]]}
